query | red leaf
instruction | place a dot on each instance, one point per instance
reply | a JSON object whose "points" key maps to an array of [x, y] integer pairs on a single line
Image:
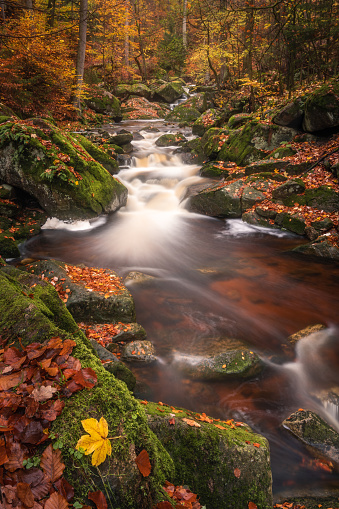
{"points": [[172, 421], [143, 463], [56, 501], [51, 413], [237, 472], [252, 505], [86, 377], [13, 357], [51, 463], [3, 453], [163, 505], [98, 498], [25, 494], [10, 381]]}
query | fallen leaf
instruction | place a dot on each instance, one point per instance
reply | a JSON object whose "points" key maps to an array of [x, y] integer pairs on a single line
{"points": [[96, 442], [98, 498], [25, 494], [56, 501], [172, 421], [51, 463], [237, 472], [44, 393], [192, 423], [252, 505], [256, 445], [143, 463]]}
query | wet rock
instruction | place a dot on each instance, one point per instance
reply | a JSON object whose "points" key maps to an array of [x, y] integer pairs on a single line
{"points": [[315, 433], [322, 225], [252, 217], [218, 201], [303, 333], [270, 165], [167, 140], [135, 277], [137, 89], [234, 363], [213, 170], [292, 222], [267, 213], [121, 138], [311, 233], [321, 247], [291, 115], [226, 465], [139, 351]]}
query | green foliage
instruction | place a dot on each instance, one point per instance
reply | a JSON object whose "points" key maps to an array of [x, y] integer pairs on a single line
{"points": [[171, 53]]}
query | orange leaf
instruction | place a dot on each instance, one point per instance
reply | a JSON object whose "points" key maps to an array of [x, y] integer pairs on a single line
{"points": [[171, 421], [256, 445], [237, 472], [51, 463], [56, 501], [190, 422], [98, 498], [219, 426], [252, 505], [143, 463]]}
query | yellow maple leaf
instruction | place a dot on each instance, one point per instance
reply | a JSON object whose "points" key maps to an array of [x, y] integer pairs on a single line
{"points": [[96, 442]]}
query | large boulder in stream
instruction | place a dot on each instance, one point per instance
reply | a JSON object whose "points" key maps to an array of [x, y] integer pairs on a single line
{"points": [[225, 463], [183, 113], [218, 200], [105, 103], [53, 167], [169, 92]]}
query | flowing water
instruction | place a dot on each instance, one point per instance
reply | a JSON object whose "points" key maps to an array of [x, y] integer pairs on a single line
{"points": [[216, 279]]}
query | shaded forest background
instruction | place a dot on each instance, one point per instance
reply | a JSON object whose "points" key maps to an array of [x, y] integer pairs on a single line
{"points": [[53, 51]]}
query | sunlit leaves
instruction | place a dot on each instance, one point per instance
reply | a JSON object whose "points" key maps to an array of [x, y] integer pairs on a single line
{"points": [[96, 442]]}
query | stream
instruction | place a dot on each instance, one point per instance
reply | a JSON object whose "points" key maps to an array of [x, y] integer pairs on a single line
{"points": [[215, 279]]}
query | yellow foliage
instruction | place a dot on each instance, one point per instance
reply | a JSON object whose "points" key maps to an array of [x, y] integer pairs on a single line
{"points": [[96, 442]]}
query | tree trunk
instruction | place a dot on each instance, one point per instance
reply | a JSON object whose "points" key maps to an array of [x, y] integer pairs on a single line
{"points": [[184, 25], [81, 54], [2, 9]]}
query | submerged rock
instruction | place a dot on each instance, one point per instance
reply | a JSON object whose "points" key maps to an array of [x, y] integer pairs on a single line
{"points": [[139, 351]]}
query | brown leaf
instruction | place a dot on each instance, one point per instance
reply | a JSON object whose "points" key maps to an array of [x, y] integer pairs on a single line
{"points": [[56, 501], [44, 393], [171, 421], [10, 381], [65, 489], [25, 494], [51, 463], [143, 463], [237, 472], [163, 505], [55, 409], [13, 357], [3, 452], [98, 498]]}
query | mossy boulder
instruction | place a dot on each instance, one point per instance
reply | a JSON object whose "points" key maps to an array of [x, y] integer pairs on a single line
{"points": [[250, 196], [53, 166], [291, 187], [252, 217], [238, 120], [227, 465], [169, 92], [168, 140], [101, 156], [213, 170], [303, 333], [212, 141], [291, 115], [253, 142], [141, 108], [292, 222], [183, 113], [218, 201], [236, 362], [211, 118], [322, 109], [137, 89], [323, 198], [84, 304], [105, 103], [281, 152], [315, 434], [32, 310], [271, 165], [121, 138]]}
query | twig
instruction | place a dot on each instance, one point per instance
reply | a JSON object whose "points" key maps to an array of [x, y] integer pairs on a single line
{"points": [[321, 159]]}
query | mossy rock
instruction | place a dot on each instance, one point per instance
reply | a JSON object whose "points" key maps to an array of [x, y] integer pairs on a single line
{"points": [[53, 166], [212, 141], [137, 89], [320, 248], [105, 103], [211, 118], [291, 115], [218, 201], [215, 458], [213, 170], [294, 338], [252, 217], [89, 306], [292, 222], [322, 109], [323, 198], [282, 152], [169, 92], [253, 142], [314, 433], [183, 113], [250, 196], [238, 120], [101, 156], [288, 188], [168, 140], [201, 101], [41, 316]]}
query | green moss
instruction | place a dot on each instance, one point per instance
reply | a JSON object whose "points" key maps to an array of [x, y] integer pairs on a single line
{"points": [[98, 154]]}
